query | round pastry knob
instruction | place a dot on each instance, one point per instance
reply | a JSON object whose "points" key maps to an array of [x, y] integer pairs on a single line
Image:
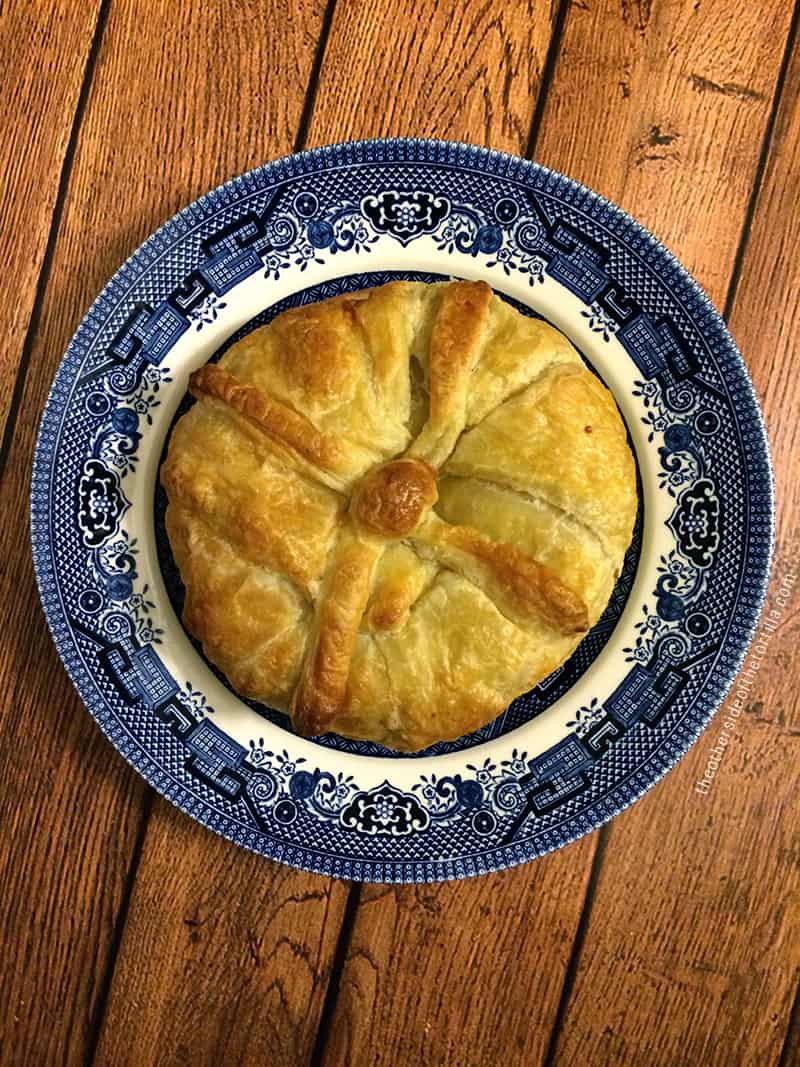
{"points": [[392, 499]]}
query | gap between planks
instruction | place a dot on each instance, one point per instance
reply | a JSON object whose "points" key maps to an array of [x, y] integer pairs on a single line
{"points": [[55, 224], [758, 177]]}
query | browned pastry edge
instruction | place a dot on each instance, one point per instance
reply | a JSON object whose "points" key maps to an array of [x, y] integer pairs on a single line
{"points": [[278, 420], [455, 345], [388, 613]]}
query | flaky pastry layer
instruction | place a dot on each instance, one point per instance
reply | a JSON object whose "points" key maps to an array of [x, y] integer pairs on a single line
{"points": [[395, 511]]}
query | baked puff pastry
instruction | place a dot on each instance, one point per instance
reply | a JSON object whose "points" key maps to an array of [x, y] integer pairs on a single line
{"points": [[395, 511]]}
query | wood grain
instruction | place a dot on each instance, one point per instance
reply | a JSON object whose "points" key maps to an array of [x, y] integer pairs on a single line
{"points": [[225, 957], [388, 958], [662, 107], [69, 812], [462, 973], [43, 55], [171, 110], [692, 950], [467, 71]]}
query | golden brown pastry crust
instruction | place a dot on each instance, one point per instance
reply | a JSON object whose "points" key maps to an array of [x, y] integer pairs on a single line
{"points": [[396, 510]]}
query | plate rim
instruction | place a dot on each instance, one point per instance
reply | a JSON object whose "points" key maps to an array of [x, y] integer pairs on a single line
{"points": [[489, 162]]}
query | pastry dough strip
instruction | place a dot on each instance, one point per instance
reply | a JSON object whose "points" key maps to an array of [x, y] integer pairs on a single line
{"points": [[321, 689], [457, 339], [520, 586], [280, 422]]}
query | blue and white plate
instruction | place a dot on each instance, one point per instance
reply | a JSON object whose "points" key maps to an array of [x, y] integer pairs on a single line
{"points": [[584, 743]]}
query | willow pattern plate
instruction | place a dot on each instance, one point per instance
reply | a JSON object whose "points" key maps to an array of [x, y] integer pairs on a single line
{"points": [[561, 759]]}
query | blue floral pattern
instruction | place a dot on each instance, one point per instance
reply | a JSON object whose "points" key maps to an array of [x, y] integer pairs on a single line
{"points": [[405, 214], [696, 521], [101, 503], [384, 810], [600, 322], [207, 312]]}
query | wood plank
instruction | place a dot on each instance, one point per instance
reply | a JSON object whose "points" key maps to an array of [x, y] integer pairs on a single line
{"points": [[661, 108], [471, 75], [124, 1034], [468, 72], [692, 950], [169, 114], [44, 49], [655, 52], [225, 957], [70, 812], [468, 973]]}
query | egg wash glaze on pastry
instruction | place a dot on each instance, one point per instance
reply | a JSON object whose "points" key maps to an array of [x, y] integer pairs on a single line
{"points": [[396, 510]]}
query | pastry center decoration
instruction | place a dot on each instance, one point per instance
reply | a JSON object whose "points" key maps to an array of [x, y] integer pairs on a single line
{"points": [[392, 499]]}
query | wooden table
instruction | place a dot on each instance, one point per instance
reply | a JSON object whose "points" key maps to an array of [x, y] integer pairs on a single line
{"points": [[131, 935]]}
